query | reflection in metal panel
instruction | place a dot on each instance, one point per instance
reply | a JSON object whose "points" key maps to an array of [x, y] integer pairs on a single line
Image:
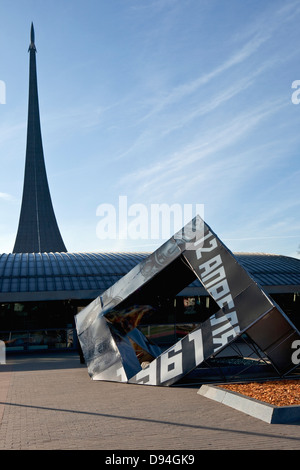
{"points": [[115, 350]]}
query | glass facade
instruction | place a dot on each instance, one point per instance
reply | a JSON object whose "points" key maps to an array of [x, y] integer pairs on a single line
{"points": [[31, 326], [39, 340]]}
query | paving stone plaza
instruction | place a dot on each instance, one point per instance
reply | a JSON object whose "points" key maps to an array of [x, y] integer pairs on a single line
{"points": [[48, 402]]}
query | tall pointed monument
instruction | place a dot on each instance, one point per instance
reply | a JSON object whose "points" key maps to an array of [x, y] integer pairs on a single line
{"points": [[38, 230]]}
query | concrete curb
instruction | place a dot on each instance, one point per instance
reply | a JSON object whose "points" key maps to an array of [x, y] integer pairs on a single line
{"points": [[264, 411]]}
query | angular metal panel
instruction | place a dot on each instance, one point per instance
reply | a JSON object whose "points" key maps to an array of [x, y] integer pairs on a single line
{"points": [[185, 355], [274, 334], [101, 352], [109, 325]]}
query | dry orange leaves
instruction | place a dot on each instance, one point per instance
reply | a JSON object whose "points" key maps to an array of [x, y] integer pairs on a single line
{"points": [[278, 393]]}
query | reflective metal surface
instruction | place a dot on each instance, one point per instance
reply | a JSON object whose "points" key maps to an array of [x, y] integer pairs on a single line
{"points": [[115, 349]]}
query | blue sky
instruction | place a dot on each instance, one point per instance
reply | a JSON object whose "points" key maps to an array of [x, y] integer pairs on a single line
{"points": [[161, 101]]}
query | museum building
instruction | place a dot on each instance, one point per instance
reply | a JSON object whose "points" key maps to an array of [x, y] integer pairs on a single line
{"points": [[43, 286]]}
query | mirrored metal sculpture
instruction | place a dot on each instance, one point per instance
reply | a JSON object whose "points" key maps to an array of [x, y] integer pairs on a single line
{"points": [[115, 349]]}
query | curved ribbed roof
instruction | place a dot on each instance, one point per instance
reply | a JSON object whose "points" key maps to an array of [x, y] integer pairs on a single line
{"points": [[271, 270], [70, 274], [46, 276]]}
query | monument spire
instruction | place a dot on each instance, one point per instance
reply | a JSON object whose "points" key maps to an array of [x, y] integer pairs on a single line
{"points": [[38, 230], [31, 45]]}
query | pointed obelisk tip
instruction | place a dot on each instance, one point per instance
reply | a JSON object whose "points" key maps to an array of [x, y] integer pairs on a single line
{"points": [[32, 34], [32, 45]]}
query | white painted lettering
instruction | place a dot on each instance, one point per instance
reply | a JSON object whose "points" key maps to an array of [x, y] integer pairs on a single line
{"points": [[209, 266], [223, 339], [217, 275], [202, 249], [227, 301], [219, 290], [196, 336], [213, 277], [148, 375], [171, 365]]}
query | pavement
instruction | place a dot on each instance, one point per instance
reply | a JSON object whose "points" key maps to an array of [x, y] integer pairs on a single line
{"points": [[49, 402]]}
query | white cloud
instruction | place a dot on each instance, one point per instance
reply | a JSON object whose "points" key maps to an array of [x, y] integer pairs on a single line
{"points": [[168, 171], [182, 91], [6, 197]]}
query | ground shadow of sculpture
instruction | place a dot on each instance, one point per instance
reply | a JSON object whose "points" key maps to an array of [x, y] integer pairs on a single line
{"points": [[115, 349]]}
